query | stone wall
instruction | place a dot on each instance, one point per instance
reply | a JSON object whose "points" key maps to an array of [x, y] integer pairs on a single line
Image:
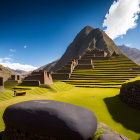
{"points": [[69, 70], [13, 77], [130, 96], [95, 58], [48, 78], [57, 76], [85, 61], [1, 84], [101, 58], [30, 83], [85, 66], [97, 53], [43, 76]]}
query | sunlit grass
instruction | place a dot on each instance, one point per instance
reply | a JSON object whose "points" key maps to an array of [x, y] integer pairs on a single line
{"points": [[104, 102]]}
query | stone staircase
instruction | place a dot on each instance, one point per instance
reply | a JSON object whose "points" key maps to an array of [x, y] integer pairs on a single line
{"points": [[107, 73]]}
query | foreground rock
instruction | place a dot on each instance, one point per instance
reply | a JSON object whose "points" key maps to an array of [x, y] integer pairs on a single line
{"points": [[47, 120], [105, 133]]}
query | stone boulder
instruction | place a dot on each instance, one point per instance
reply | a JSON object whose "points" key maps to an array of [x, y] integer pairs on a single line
{"points": [[105, 133], [59, 120]]}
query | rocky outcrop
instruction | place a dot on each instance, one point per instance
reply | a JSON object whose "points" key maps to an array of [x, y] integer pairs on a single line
{"points": [[105, 133]]}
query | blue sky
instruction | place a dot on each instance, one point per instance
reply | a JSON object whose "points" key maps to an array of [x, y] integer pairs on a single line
{"points": [[36, 32]]}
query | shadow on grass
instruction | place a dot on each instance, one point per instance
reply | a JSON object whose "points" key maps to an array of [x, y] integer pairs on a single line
{"points": [[122, 113]]}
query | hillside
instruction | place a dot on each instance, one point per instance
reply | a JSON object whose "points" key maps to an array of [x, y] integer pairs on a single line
{"points": [[87, 38], [132, 53], [48, 67], [5, 72]]}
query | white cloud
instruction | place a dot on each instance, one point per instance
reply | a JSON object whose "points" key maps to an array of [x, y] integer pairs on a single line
{"points": [[12, 50], [7, 63], [5, 59], [121, 17], [19, 66]]}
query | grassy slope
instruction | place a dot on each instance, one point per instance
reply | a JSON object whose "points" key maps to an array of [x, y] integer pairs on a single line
{"points": [[103, 102]]}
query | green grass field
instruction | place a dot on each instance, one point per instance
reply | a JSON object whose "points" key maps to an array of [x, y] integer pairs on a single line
{"points": [[104, 102]]}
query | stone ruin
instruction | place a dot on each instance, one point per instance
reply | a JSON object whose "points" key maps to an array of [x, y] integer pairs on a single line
{"points": [[96, 54], [85, 64], [65, 72], [37, 78], [81, 62], [15, 77], [115, 54], [1, 84]]}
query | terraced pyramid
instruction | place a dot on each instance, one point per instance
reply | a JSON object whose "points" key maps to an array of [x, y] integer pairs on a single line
{"points": [[109, 73], [87, 38]]}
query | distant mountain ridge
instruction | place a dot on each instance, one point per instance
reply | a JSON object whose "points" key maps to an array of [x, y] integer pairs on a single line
{"points": [[48, 66], [87, 38], [132, 53], [21, 72]]}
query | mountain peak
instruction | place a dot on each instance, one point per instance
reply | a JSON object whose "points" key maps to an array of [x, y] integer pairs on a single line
{"points": [[88, 37], [88, 28], [84, 32]]}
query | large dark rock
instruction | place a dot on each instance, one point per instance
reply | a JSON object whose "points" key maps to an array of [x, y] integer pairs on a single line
{"points": [[51, 118]]}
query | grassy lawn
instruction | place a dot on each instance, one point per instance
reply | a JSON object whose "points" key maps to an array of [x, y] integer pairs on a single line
{"points": [[104, 102]]}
